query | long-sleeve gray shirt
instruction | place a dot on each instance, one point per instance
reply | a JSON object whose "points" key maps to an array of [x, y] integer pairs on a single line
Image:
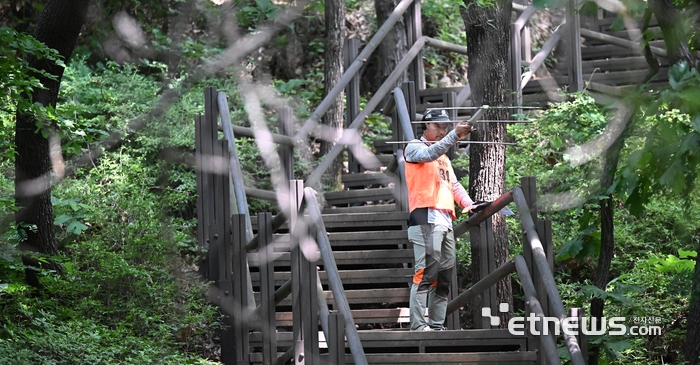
{"points": [[430, 151]]}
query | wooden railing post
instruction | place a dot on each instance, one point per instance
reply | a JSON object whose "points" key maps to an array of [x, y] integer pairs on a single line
{"points": [[515, 65], [573, 21], [304, 302], [449, 99], [286, 152], [414, 30], [352, 96], [241, 309], [482, 242], [336, 340], [267, 289], [409, 93]]}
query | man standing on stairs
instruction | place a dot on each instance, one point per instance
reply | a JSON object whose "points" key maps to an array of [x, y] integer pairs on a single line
{"points": [[433, 190]]}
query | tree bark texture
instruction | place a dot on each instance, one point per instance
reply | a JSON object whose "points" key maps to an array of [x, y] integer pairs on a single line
{"points": [[488, 39], [58, 27], [607, 232], [333, 70], [673, 29], [394, 46]]}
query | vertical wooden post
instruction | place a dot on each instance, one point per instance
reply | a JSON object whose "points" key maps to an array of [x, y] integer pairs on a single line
{"points": [[544, 231], [202, 211], [529, 187], [526, 39], [409, 93], [452, 321], [304, 303], [222, 239], [352, 96], [209, 137], [267, 289], [414, 30], [449, 99], [515, 65], [286, 152], [482, 240], [240, 290], [573, 21], [336, 340]]}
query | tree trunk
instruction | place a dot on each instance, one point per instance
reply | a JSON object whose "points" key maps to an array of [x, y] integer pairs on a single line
{"points": [[58, 27], [673, 30], [488, 38], [333, 70], [607, 233], [394, 46]]}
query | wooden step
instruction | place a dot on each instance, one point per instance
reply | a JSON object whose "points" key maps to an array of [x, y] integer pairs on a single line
{"points": [[403, 340], [345, 258], [367, 221], [367, 179], [381, 146], [490, 358], [359, 196], [612, 65], [385, 159], [375, 208], [344, 241], [610, 51], [350, 277], [398, 296]]}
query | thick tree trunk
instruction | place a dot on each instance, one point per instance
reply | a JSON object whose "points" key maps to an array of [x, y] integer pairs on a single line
{"points": [[394, 47], [333, 70], [673, 30], [58, 27], [488, 38]]}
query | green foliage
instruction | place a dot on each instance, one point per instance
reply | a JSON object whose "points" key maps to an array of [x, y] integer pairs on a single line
{"points": [[668, 162], [18, 78], [128, 290], [586, 242], [251, 13], [442, 20]]}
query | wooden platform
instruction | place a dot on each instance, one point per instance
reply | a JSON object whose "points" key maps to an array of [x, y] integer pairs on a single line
{"points": [[400, 346]]}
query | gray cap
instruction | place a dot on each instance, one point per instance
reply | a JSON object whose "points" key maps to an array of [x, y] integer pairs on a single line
{"points": [[438, 115]]}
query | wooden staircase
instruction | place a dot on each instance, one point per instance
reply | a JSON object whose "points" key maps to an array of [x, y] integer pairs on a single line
{"points": [[375, 259]]}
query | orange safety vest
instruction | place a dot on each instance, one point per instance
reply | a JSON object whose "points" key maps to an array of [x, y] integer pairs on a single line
{"points": [[429, 185]]}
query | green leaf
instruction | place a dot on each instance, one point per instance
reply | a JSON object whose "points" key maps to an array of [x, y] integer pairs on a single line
{"points": [[618, 24], [684, 254], [63, 218], [76, 227], [570, 249], [676, 75], [556, 142], [673, 177]]}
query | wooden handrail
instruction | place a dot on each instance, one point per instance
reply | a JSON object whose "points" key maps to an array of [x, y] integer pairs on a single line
{"points": [[250, 133], [352, 70], [547, 342], [404, 118], [620, 42], [446, 46], [540, 260], [539, 58], [336, 285], [482, 285], [388, 84]]}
